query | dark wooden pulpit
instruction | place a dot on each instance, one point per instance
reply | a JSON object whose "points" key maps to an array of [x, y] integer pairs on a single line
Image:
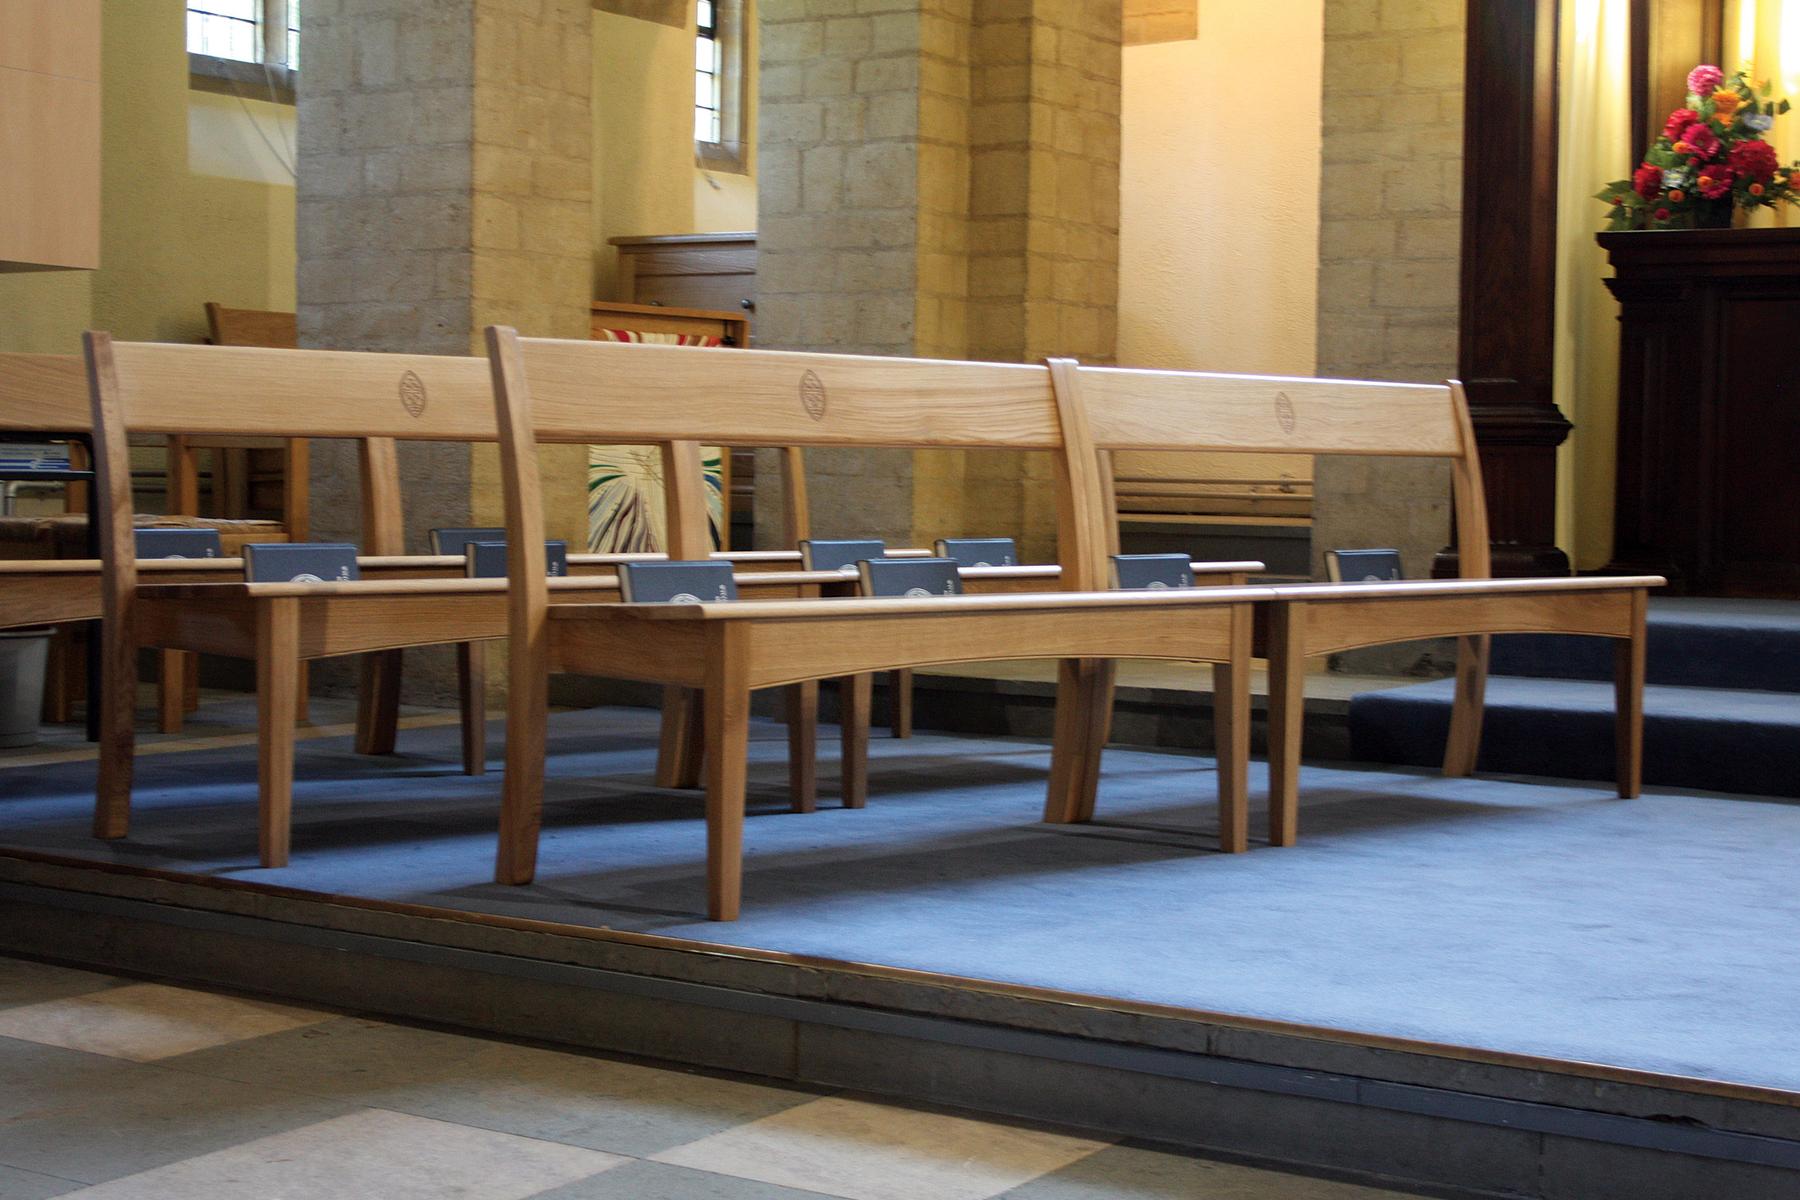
{"points": [[1709, 408]]}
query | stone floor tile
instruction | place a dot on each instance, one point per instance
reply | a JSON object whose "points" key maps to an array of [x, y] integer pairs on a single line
{"points": [[29, 1185], [92, 1118], [660, 1181], [26, 982], [373, 1154], [857, 1149], [579, 1099], [145, 1022], [1137, 1173]]}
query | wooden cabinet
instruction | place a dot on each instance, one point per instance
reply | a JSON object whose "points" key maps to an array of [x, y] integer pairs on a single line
{"points": [[699, 270], [50, 133], [1709, 408]]}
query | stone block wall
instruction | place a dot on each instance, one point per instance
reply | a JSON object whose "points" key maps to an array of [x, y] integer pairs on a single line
{"points": [[838, 224], [443, 184], [1389, 258], [938, 178], [1391, 201]]}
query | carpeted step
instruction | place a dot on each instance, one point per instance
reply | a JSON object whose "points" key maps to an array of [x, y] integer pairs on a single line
{"points": [[1710, 738], [1693, 642]]}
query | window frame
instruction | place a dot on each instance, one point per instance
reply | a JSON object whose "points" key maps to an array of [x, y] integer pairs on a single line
{"points": [[271, 72], [730, 153]]}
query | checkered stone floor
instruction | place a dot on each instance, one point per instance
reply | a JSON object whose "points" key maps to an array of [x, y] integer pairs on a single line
{"points": [[118, 1089]]}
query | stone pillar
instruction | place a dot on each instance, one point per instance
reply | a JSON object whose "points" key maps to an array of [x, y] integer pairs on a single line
{"points": [[938, 178], [443, 180], [1391, 203]]}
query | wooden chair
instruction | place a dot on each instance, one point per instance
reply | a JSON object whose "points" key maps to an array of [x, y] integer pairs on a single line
{"points": [[1162, 410], [583, 392]]}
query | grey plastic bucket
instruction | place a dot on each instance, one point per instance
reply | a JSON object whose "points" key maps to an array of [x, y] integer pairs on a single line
{"points": [[22, 656]]}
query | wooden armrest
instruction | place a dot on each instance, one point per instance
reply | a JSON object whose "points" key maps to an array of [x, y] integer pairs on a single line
{"points": [[823, 609], [1249, 566], [36, 567], [1409, 588]]}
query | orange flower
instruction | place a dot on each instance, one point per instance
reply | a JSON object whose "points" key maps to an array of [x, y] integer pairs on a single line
{"points": [[1756, 189], [1725, 102], [1677, 195], [1682, 148]]}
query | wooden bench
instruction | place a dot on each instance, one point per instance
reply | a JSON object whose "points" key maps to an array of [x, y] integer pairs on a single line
{"points": [[403, 601], [1164, 410], [560, 391]]}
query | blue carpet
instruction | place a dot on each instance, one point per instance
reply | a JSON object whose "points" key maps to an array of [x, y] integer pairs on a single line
{"points": [[1720, 708], [1540, 918]]}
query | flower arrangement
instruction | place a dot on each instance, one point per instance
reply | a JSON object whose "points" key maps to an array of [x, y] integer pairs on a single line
{"points": [[1710, 160]]}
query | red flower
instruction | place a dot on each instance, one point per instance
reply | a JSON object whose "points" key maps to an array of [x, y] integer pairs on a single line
{"points": [[1679, 120], [1754, 160], [1662, 214], [1715, 181], [1646, 181], [1700, 139]]}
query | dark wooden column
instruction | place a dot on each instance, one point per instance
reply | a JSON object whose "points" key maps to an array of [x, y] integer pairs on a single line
{"points": [[1506, 347]]}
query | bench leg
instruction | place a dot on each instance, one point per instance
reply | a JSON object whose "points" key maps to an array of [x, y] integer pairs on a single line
{"points": [[115, 701], [1287, 718], [855, 699], [60, 675], [727, 724], [1231, 735], [1628, 691], [1103, 680], [171, 690], [471, 697], [1464, 743], [378, 703], [679, 754], [1083, 701], [803, 745], [277, 668], [900, 691]]}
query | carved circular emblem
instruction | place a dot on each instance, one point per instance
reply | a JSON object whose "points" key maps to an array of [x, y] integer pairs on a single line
{"points": [[1156, 585], [812, 395], [684, 598], [917, 594], [1284, 412], [306, 577], [412, 393]]}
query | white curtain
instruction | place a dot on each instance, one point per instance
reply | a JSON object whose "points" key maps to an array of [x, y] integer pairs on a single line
{"points": [[1595, 148], [1763, 38]]}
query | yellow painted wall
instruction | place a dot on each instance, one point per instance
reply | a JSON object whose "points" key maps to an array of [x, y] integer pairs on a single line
{"points": [[645, 180], [172, 237], [1219, 202]]}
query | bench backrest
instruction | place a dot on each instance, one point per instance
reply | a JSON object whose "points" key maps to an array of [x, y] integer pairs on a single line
{"points": [[229, 391], [1184, 410], [43, 393], [568, 391]]}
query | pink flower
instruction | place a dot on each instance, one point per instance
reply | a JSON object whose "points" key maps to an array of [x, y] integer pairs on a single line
{"points": [[1679, 120], [1700, 139], [1703, 79], [1754, 160], [1646, 181], [1715, 181]]}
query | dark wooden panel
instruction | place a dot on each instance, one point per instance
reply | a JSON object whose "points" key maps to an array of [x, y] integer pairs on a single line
{"points": [[1709, 415], [697, 291]]}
